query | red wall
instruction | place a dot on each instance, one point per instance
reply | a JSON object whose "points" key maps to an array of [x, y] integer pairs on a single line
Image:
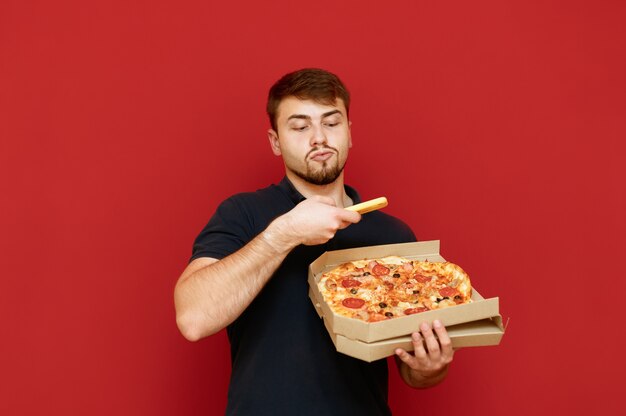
{"points": [[495, 126]]}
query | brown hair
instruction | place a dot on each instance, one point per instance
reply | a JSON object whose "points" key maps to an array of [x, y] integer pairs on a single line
{"points": [[307, 84]]}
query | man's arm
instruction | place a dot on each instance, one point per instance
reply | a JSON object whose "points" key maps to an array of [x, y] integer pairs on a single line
{"points": [[210, 294], [429, 364]]}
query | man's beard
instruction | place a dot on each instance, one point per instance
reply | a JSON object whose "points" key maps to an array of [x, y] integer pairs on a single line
{"points": [[325, 175]]}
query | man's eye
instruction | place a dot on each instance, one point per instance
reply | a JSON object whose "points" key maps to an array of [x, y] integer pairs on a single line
{"points": [[299, 128], [332, 124]]}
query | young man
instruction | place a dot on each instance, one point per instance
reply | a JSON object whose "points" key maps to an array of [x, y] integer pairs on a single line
{"points": [[248, 271]]}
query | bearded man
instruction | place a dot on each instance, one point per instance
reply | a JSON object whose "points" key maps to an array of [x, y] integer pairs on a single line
{"points": [[248, 270]]}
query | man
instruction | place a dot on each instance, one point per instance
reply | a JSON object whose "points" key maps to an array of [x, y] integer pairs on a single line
{"points": [[248, 271]]}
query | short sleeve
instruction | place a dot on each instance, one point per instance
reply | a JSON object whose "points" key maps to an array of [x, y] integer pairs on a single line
{"points": [[229, 229]]}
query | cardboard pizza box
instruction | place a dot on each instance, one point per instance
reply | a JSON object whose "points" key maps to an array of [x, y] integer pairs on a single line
{"points": [[368, 332], [471, 334]]}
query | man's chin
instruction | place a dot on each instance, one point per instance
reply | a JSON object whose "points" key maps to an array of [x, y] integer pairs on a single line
{"points": [[321, 177]]}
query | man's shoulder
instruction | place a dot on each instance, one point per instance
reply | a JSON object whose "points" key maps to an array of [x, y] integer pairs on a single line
{"points": [[268, 193], [257, 208]]}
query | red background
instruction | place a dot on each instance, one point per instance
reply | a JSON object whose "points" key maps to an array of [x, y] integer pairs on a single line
{"points": [[495, 126]]}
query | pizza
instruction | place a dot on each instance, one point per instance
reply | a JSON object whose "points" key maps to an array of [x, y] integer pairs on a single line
{"points": [[378, 289]]}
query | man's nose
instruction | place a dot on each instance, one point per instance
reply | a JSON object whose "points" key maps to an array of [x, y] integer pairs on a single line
{"points": [[318, 137]]}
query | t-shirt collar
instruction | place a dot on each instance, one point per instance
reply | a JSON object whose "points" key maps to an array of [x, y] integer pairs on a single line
{"points": [[291, 191]]}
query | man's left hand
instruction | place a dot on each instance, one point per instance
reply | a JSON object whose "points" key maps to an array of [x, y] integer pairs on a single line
{"points": [[429, 362]]}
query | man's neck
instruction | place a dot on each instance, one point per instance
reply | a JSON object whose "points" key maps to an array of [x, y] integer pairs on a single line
{"points": [[334, 190]]}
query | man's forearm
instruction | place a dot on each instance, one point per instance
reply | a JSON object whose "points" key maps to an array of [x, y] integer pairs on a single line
{"points": [[211, 297]]}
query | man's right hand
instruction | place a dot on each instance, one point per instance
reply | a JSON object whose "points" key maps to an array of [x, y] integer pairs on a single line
{"points": [[313, 221]]}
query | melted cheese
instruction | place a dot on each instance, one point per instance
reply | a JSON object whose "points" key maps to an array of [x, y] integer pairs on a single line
{"points": [[400, 293]]}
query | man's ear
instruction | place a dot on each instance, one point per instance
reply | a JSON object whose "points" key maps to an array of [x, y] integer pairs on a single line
{"points": [[273, 138]]}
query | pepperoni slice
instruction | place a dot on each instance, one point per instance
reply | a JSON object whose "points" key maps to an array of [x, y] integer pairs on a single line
{"points": [[350, 283], [422, 279], [354, 303], [380, 270], [448, 291], [412, 311]]}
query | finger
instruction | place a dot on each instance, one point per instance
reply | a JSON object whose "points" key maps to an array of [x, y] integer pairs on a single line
{"points": [[430, 340], [344, 224], [419, 350], [406, 358], [348, 217], [444, 340]]}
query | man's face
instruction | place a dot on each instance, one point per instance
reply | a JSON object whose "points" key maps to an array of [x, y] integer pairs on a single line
{"points": [[312, 138]]}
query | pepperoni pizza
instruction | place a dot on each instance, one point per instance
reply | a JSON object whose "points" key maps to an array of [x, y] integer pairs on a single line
{"points": [[390, 287]]}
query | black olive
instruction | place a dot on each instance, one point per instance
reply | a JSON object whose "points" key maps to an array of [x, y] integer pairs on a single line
{"points": [[396, 275], [382, 304], [445, 297], [457, 297], [416, 292], [439, 300], [353, 291], [366, 274], [388, 314]]}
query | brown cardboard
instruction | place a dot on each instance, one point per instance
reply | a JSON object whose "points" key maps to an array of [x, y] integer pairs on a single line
{"points": [[370, 332], [479, 333], [471, 334]]}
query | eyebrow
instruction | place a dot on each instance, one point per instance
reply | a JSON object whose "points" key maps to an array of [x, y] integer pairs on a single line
{"points": [[306, 117]]}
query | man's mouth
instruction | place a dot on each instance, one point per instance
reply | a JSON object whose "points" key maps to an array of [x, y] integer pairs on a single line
{"points": [[321, 155]]}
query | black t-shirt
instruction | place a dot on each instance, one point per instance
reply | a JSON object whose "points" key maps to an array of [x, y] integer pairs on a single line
{"points": [[283, 360]]}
